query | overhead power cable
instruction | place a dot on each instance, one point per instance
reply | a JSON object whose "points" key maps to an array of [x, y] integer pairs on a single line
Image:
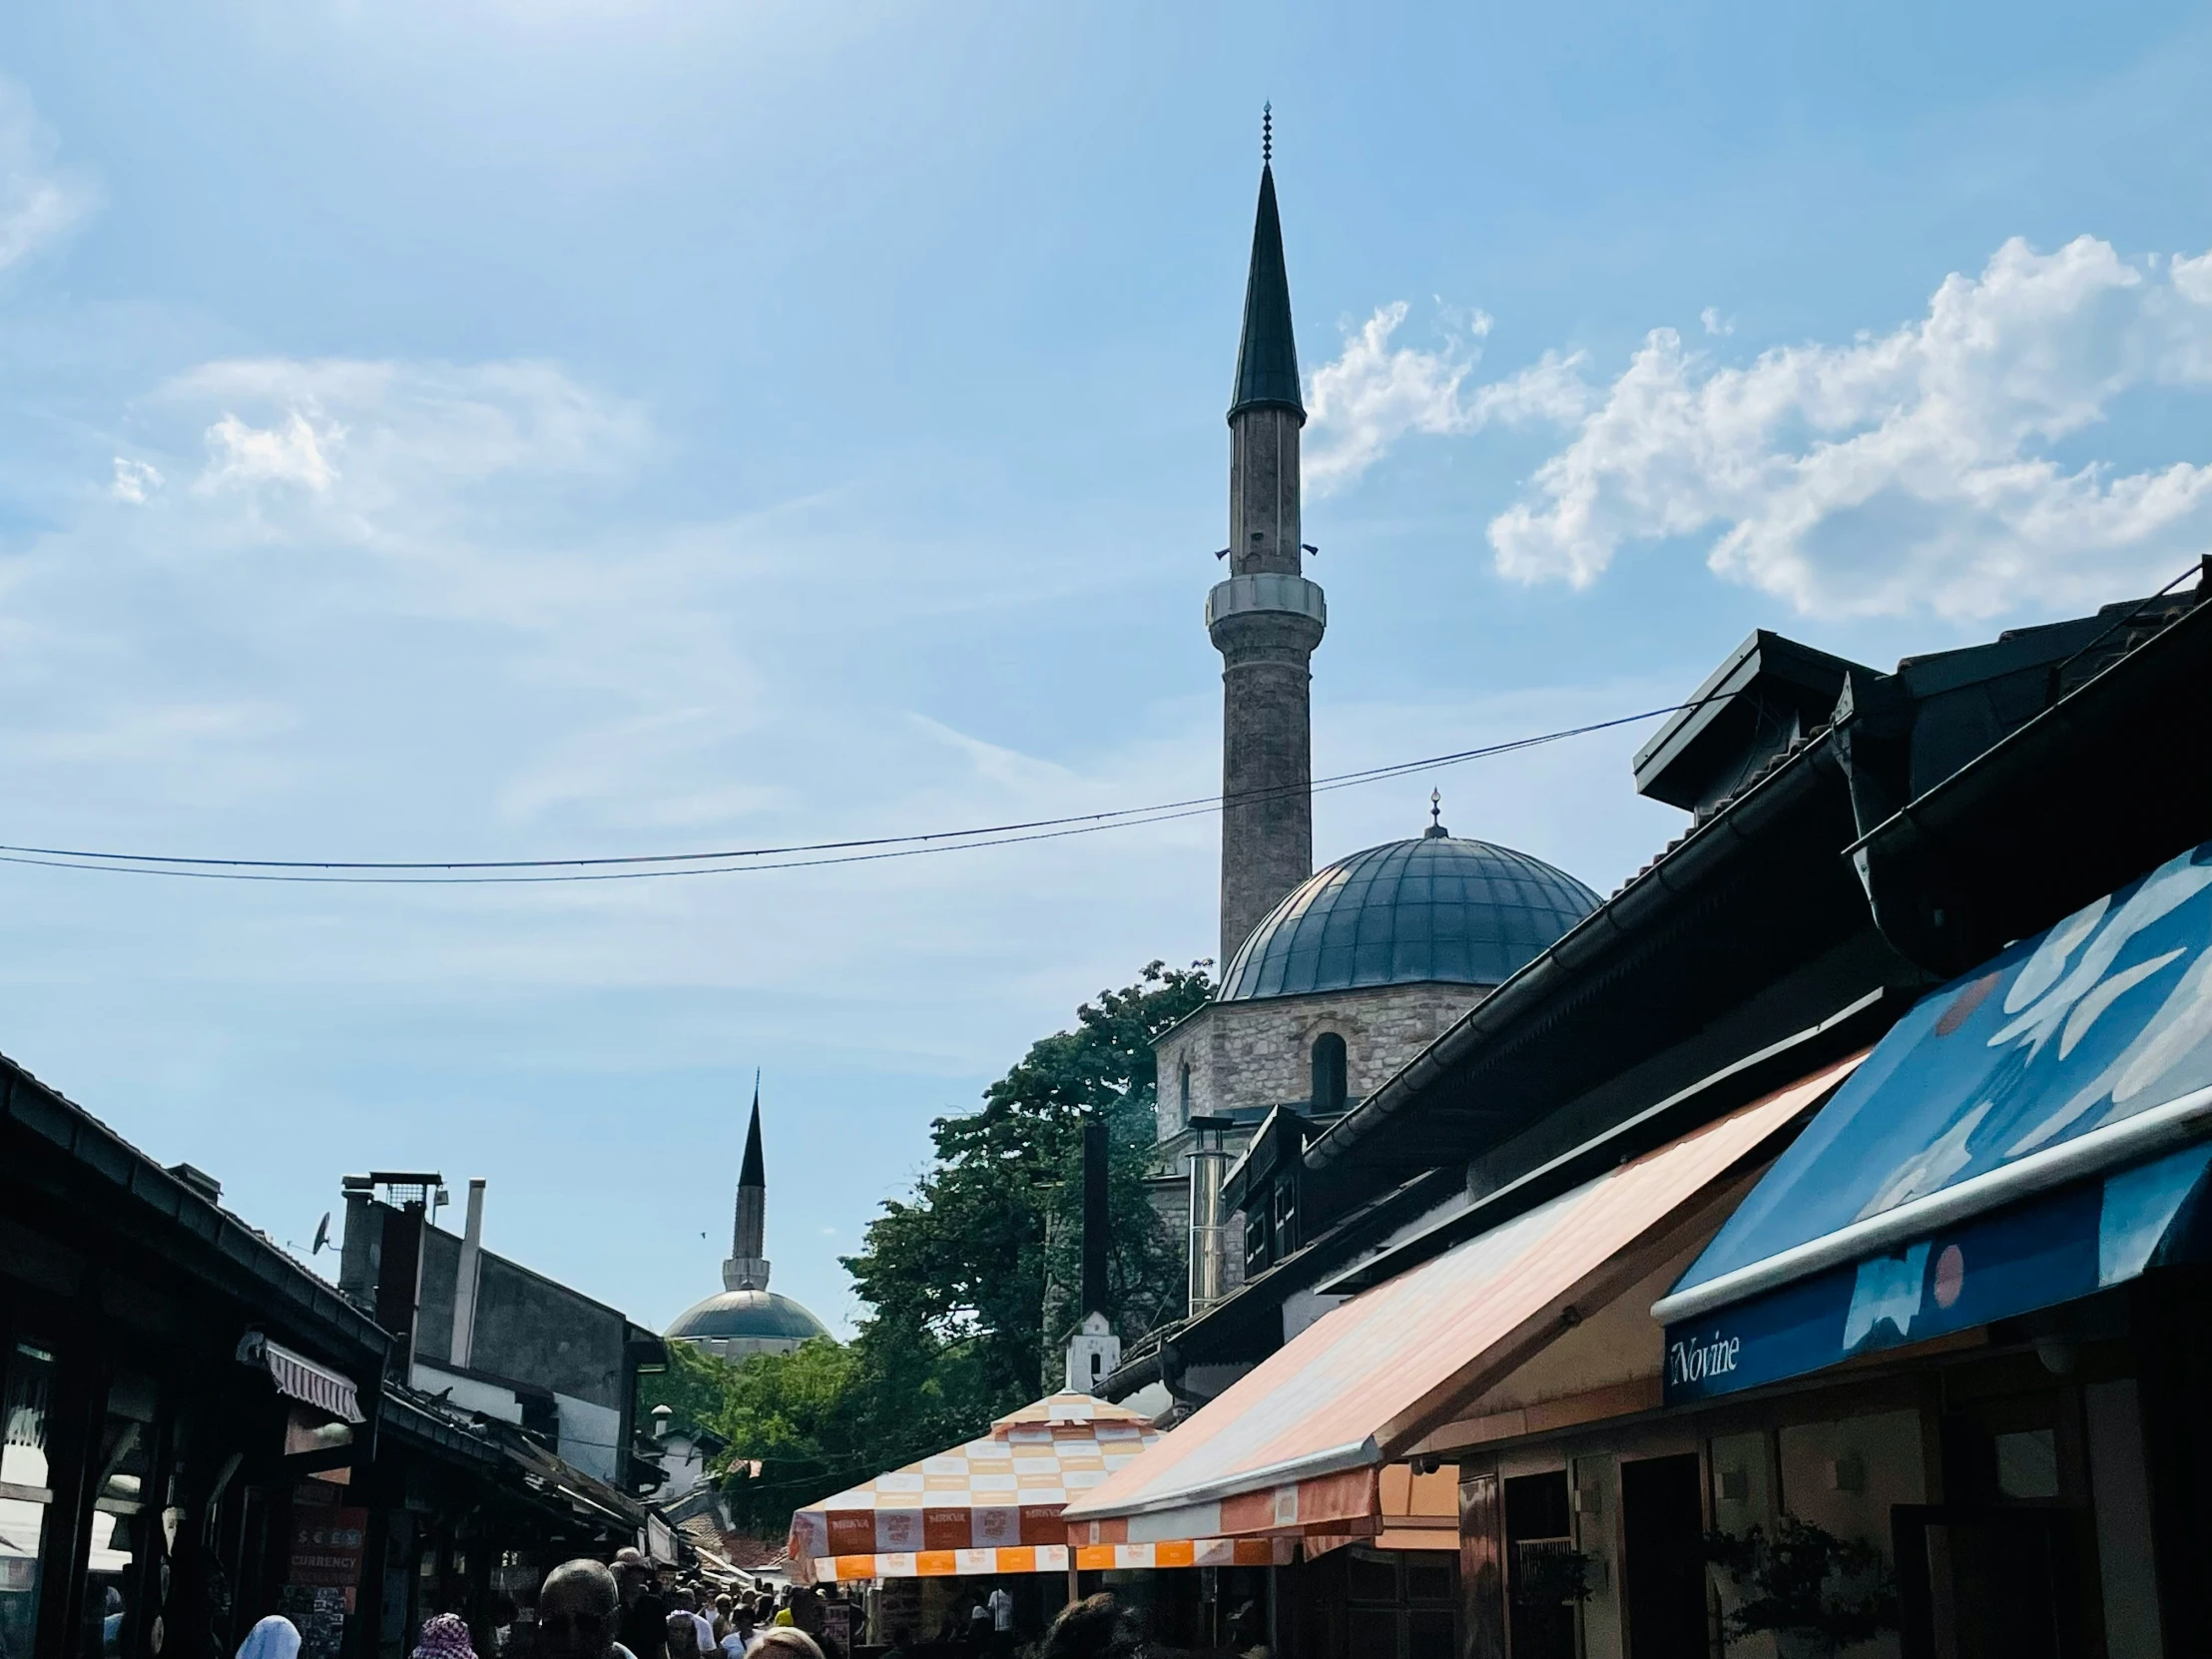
{"points": [[807, 854], [732, 861]]}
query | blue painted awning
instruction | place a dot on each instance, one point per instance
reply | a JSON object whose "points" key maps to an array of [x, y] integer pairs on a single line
{"points": [[2030, 1133]]}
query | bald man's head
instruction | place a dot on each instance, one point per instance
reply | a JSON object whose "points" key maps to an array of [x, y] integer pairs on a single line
{"points": [[579, 1610]]}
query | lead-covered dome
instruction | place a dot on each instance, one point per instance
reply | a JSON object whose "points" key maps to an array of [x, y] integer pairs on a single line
{"points": [[1440, 908], [748, 1316]]}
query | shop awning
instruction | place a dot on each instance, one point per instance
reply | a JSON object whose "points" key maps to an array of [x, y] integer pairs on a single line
{"points": [[994, 1505], [2031, 1133], [299, 1377], [1294, 1447]]}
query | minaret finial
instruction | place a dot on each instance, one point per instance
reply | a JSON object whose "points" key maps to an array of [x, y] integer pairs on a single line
{"points": [[1267, 134], [747, 1268]]}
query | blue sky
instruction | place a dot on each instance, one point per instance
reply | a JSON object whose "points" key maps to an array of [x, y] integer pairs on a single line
{"points": [[506, 430]]}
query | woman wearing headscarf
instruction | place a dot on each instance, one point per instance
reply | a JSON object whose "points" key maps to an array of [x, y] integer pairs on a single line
{"points": [[444, 1636], [274, 1637], [683, 1634]]}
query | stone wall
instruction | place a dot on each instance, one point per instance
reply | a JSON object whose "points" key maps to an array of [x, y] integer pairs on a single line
{"points": [[1252, 1055], [1245, 1057]]}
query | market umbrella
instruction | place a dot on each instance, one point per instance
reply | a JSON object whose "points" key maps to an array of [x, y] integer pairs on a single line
{"points": [[994, 1505]]}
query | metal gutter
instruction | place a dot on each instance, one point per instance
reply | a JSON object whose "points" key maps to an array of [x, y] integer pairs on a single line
{"points": [[1774, 1066], [1533, 993], [101, 1152], [2057, 724], [2160, 1129], [411, 1421]]}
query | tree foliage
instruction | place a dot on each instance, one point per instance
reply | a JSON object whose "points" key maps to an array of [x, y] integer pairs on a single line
{"points": [[970, 1280], [988, 1249]]}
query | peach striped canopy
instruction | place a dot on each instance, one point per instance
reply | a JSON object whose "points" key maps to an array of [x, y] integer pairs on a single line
{"points": [[994, 1505], [1295, 1448]]}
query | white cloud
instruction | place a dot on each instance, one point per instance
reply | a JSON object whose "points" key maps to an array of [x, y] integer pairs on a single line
{"points": [[409, 432], [1907, 470], [1373, 393], [1714, 322], [135, 481], [294, 451], [40, 203]]}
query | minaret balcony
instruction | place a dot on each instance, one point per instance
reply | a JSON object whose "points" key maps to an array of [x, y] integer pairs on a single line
{"points": [[1242, 595]]}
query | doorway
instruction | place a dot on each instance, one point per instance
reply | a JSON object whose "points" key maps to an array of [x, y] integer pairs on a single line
{"points": [[1539, 1540], [1663, 1543], [1988, 1583]]}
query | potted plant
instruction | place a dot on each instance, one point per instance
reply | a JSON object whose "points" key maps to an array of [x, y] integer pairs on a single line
{"points": [[1817, 1593], [1550, 1575]]}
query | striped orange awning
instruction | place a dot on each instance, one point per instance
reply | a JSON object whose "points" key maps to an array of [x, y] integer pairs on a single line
{"points": [[1293, 1449], [984, 1563], [994, 1505]]}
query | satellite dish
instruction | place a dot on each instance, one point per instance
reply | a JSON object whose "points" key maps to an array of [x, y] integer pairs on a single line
{"points": [[321, 1234]]}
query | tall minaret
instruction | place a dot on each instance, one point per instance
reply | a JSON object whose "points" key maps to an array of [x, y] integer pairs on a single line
{"points": [[747, 1268], [1266, 617]]}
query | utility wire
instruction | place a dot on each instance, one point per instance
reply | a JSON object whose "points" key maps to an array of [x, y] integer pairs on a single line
{"points": [[644, 867], [866, 850]]}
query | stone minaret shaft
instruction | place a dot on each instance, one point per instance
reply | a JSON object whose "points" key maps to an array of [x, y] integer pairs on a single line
{"points": [[747, 1268], [1267, 618]]}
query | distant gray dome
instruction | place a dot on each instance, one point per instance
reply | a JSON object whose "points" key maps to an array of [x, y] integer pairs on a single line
{"points": [[1438, 909], [748, 1316]]}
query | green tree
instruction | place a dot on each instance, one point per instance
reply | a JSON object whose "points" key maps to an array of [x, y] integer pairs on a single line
{"points": [[986, 1253], [970, 1280]]}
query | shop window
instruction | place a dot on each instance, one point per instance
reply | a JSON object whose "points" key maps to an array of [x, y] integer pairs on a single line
{"points": [[24, 1491], [1328, 1073], [1258, 1231], [1285, 1215], [1401, 1604], [1372, 1578], [1427, 1578], [2027, 1464]]}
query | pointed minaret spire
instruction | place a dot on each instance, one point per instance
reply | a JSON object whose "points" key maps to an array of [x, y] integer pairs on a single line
{"points": [[747, 1268], [1266, 357], [754, 1171], [1267, 618]]}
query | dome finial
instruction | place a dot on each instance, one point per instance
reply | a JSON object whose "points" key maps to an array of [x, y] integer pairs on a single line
{"points": [[1436, 830]]}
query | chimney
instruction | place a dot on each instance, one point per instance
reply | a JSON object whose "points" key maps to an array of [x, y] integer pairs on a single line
{"points": [[1208, 1225], [399, 1281], [464, 1280], [1095, 1219], [1094, 1351]]}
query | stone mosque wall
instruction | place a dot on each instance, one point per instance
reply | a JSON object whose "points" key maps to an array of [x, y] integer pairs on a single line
{"points": [[1256, 1054], [1248, 1056]]}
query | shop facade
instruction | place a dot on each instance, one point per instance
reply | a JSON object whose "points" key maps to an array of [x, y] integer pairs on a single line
{"points": [[1956, 1362], [171, 1376]]}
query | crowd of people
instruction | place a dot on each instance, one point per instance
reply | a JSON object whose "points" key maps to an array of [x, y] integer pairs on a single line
{"points": [[1103, 1627], [588, 1611], [684, 1622]]}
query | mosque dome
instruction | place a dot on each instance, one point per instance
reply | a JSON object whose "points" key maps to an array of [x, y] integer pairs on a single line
{"points": [[761, 1319], [1437, 908]]}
